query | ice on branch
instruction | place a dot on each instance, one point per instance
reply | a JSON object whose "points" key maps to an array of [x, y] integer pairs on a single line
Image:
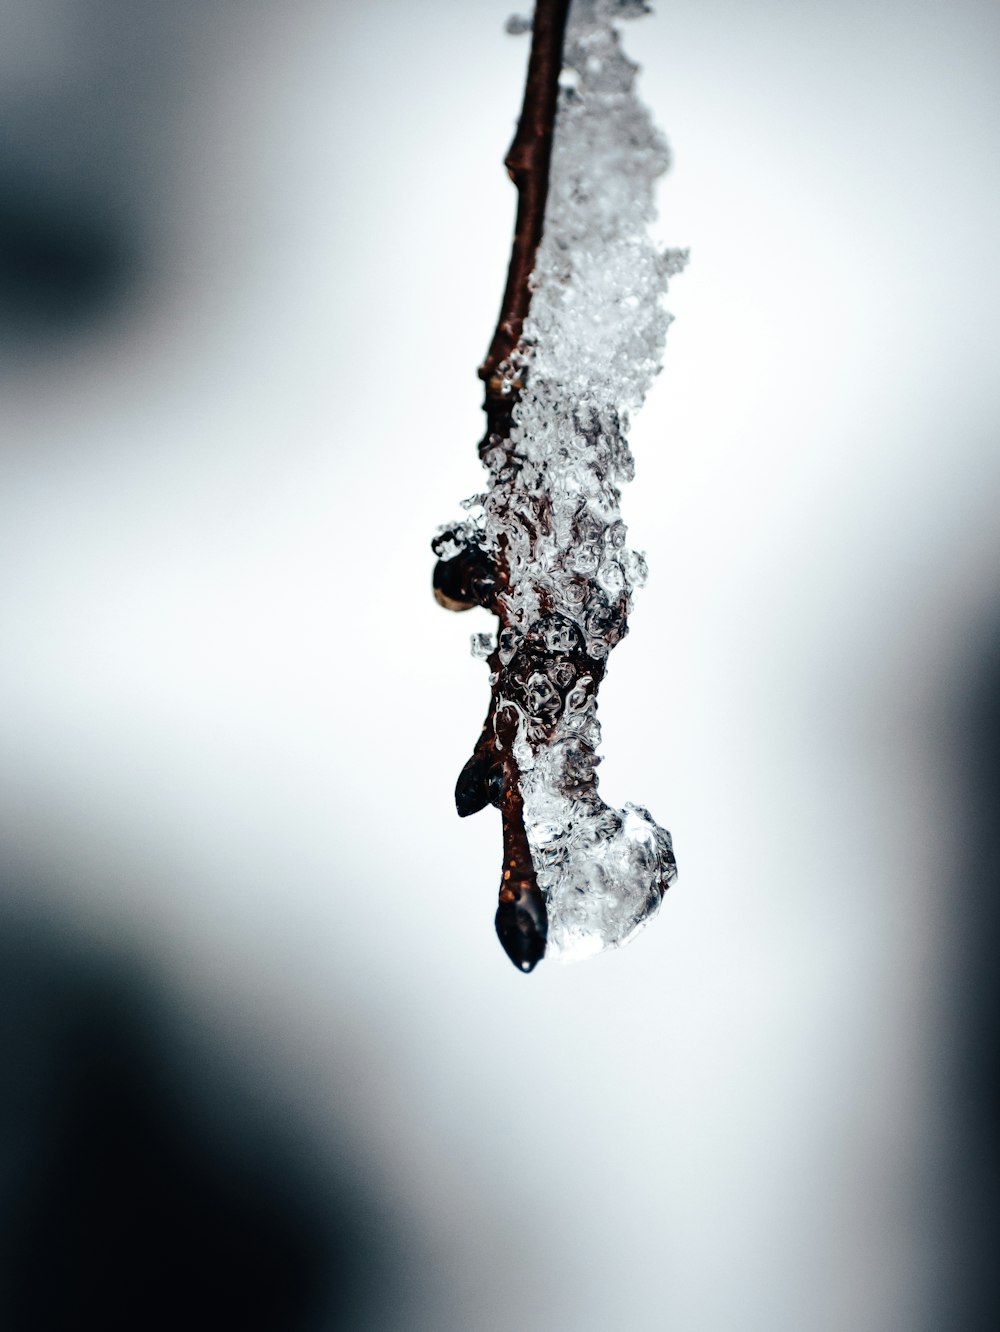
{"points": [[548, 529]]}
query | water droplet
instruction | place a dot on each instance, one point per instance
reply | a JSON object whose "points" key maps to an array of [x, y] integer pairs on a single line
{"points": [[509, 642], [611, 577], [580, 695], [585, 559], [561, 673], [542, 697], [559, 634]]}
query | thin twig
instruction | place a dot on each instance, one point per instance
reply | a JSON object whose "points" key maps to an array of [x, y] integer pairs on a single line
{"points": [[526, 559], [473, 577], [527, 163]]}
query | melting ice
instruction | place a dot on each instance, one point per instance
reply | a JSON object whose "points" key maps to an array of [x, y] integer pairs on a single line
{"points": [[591, 346]]}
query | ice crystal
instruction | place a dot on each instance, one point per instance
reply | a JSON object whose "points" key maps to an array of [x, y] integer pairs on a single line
{"points": [[590, 348]]}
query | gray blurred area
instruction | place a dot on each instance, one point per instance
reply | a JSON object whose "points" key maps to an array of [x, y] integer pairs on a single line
{"points": [[91, 99], [264, 1062]]}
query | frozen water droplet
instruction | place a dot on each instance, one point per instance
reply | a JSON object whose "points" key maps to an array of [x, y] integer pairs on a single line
{"points": [[588, 528], [482, 645], [611, 577], [542, 697], [559, 634], [638, 569], [585, 559], [509, 642], [561, 673], [580, 695], [575, 591]]}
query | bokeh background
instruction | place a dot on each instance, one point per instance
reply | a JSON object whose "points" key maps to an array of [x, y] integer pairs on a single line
{"points": [[259, 1041]]}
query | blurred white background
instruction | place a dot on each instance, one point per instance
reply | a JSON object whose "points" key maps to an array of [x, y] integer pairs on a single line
{"points": [[233, 715]]}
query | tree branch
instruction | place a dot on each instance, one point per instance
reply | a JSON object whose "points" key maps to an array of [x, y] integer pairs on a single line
{"points": [[471, 577], [527, 163], [548, 554]]}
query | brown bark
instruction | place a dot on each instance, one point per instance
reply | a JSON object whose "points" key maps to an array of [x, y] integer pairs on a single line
{"points": [[471, 577], [527, 162]]}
